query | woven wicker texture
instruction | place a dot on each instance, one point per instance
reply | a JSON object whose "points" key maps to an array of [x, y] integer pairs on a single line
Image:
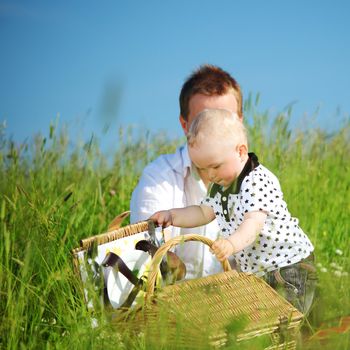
{"points": [[114, 235], [88, 243], [161, 252], [210, 304]]}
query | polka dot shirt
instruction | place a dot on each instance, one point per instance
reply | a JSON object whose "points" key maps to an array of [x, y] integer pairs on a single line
{"points": [[281, 242]]}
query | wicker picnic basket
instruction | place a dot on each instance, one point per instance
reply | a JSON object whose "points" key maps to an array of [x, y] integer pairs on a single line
{"points": [[114, 233], [94, 247], [191, 312]]}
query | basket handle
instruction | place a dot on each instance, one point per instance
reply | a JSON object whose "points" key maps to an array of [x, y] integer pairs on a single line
{"points": [[158, 256], [117, 221]]}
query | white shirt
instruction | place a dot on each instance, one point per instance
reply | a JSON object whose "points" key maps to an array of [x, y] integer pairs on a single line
{"points": [[281, 242], [170, 181]]}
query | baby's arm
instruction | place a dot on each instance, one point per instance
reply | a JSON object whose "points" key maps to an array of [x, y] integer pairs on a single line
{"points": [[192, 216], [244, 236]]}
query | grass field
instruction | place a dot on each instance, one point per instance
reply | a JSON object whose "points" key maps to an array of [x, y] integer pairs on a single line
{"points": [[55, 191]]}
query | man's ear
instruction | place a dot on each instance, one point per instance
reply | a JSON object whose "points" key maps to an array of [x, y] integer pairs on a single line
{"points": [[184, 124]]}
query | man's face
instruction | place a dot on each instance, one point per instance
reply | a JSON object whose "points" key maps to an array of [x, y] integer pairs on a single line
{"points": [[200, 102]]}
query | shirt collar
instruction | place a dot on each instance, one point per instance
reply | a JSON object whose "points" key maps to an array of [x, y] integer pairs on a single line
{"points": [[249, 166], [189, 167], [235, 187]]}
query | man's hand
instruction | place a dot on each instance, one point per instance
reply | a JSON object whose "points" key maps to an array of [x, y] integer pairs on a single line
{"points": [[222, 248], [162, 218]]}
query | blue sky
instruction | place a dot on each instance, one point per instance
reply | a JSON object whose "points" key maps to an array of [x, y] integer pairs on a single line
{"points": [[109, 63]]}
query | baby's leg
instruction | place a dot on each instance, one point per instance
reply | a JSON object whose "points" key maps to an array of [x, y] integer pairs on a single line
{"points": [[296, 283]]}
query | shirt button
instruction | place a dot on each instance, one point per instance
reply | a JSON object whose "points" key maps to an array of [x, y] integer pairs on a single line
{"points": [[225, 211], [224, 199]]}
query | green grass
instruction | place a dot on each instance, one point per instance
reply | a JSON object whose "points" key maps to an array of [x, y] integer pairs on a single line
{"points": [[55, 192]]}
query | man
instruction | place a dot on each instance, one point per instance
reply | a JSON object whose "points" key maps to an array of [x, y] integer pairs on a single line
{"points": [[172, 180]]}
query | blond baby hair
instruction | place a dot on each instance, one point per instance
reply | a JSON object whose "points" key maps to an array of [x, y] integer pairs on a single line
{"points": [[218, 124]]}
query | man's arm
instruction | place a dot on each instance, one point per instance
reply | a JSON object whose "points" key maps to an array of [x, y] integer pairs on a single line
{"points": [[155, 191]]}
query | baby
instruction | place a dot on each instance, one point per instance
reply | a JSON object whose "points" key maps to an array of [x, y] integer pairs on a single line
{"points": [[246, 199]]}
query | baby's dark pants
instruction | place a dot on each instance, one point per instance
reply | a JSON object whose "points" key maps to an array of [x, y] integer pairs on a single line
{"points": [[296, 283]]}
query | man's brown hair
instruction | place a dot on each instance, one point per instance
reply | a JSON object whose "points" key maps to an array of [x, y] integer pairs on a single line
{"points": [[209, 80]]}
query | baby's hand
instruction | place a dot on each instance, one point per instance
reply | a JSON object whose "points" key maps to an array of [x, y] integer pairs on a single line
{"points": [[222, 248], [162, 218]]}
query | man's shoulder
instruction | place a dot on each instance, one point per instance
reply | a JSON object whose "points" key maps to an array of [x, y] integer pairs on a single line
{"points": [[168, 163], [160, 186]]}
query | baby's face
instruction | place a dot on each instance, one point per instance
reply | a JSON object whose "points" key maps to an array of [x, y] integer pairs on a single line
{"points": [[220, 161]]}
